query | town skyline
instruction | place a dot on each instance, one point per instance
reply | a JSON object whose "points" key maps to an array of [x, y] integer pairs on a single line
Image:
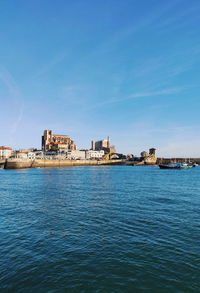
{"points": [[89, 69]]}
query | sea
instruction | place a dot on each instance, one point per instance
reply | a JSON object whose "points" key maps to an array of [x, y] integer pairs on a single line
{"points": [[100, 229]]}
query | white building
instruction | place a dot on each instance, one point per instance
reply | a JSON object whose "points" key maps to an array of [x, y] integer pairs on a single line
{"points": [[91, 154], [23, 154], [76, 155], [31, 155], [5, 152]]}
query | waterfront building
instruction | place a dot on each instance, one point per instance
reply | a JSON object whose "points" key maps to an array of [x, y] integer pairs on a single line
{"points": [[24, 154], [76, 155], [56, 142], [5, 152], [92, 154], [104, 145], [152, 151]]}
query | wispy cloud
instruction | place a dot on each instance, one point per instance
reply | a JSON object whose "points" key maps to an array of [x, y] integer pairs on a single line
{"points": [[51, 64], [142, 23], [16, 100], [138, 95], [18, 119]]}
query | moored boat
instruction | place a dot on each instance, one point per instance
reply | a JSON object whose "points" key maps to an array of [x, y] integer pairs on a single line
{"points": [[170, 166], [195, 165], [186, 166], [176, 166]]}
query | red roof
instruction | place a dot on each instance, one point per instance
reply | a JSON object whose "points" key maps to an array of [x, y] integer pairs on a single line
{"points": [[5, 148]]}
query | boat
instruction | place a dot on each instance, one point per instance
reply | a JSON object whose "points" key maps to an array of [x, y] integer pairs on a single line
{"points": [[170, 166], [186, 166], [195, 165], [176, 166]]}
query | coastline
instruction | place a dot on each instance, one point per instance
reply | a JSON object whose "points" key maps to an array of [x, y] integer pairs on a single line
{"points": [[18, 163]]}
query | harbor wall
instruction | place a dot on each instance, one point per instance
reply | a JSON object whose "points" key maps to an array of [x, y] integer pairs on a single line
{"points": [[40, 163], [177, 160], [2, 163]]}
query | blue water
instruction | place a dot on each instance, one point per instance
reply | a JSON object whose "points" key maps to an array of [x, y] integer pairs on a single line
{"points": [[100, 229]]}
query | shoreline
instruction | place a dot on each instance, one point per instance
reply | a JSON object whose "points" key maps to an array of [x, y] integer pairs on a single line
{"points": [[18, 163]]}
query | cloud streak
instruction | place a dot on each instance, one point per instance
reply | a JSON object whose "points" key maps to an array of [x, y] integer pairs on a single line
{"points": [[16, 99], [138, 95]]}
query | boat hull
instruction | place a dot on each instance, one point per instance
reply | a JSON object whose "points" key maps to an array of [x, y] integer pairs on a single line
{"points": [[169, 167], [176, 166]]}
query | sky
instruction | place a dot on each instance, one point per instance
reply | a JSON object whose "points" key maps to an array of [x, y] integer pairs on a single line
{"points": [[128, 69]]}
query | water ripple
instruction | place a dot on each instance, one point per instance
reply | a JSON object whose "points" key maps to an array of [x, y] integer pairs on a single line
{"points": [[99, 229]]}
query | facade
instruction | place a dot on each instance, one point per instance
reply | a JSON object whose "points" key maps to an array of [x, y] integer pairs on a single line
{"points": [[94, 154], [24, 154], [5, 152], [76, 155], [57, 143], [100, 144], [85, 154], [104, 145], [152, 151]]}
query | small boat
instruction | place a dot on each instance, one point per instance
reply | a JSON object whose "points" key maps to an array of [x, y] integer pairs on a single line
{"points": [[186, 166], [176, 166], [170, 166], [195, 165]]}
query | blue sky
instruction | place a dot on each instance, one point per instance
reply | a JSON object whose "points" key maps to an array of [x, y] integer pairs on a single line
{"points": [[90, 68]]}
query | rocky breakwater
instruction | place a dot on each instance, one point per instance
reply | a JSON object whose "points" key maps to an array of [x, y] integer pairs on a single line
{"points": [[16, 163]]}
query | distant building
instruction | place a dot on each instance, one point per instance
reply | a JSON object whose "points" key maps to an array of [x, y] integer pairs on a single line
{"points": [[104, 145], [56, 142], [91, 154], [25, 154], [152, 151], [149, 158], [76, 155], [5, 152], [85, 154]]}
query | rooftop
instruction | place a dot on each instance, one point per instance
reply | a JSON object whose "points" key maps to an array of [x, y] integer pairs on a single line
{"points": [[5, 148]]}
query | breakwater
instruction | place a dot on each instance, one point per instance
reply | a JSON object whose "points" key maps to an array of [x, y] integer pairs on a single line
{"points": [[177, 160], [16, 163]]}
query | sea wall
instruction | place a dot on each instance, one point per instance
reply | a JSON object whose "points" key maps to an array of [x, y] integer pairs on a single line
{"points": [[2, 163], [40, 163], [177, 160]]}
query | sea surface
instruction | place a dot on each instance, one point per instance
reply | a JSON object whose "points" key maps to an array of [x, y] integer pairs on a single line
{"points": [[100, 229]]}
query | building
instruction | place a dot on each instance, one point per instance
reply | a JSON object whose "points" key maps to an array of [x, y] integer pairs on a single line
{"points": [[76, 155], [56, 142], [149, 158], [91, 154], [5, 152], [152, 152], [104, 145], [24, 154]]}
